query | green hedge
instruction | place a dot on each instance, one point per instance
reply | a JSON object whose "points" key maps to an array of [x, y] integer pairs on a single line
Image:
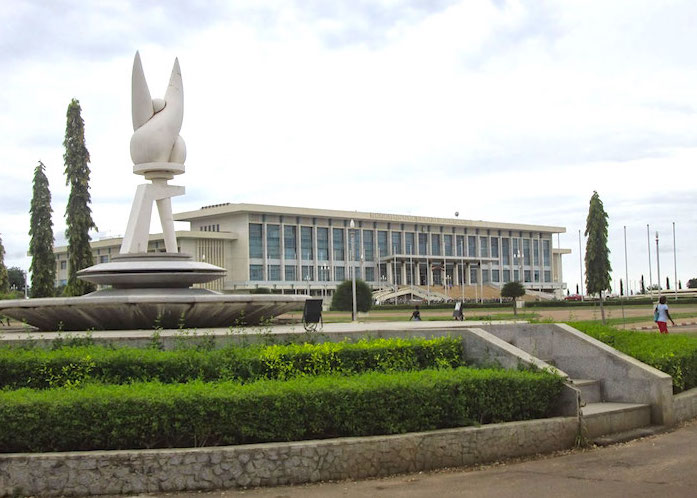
{"points": [[155, 415], [72, 366], [673, 354]]}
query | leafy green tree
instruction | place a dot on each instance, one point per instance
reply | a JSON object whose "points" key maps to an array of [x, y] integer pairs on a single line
{"points": [[43, 261], [597, 252], [16, 277], [514, 290], [78, 215], [4, 280], [343, 298]]}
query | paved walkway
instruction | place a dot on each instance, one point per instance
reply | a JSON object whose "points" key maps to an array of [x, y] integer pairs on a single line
{"points": [[662, 465]]}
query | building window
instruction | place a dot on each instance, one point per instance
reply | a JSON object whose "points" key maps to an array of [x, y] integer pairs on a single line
{"points": [[104, 259], [545, 253], [484, 247], [506, 276], [516, 276], [290, 242], [256, 249], [256, 272], [423, 244], [548, 276], [485, 275], [473, 275], [324, 273], [516, 254], [526, 273], [274, 272], [370, 274], [338, 243], [460, 243], [306, 243], [273, 242], [339, 273], [536, 252], [435, 244], [472, 246], [368, 248], [495, 275], [494, 247], [409, 243], [506, 251], [526, 252], [323, 244], [382, 243], [307, 273], [448, 243], [536, 275], [64, 265], [291, 273], [396, 243]]}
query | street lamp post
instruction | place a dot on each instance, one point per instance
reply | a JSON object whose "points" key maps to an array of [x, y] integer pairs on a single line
{"points": [[354, 313], [658, 265], [462, 268]]}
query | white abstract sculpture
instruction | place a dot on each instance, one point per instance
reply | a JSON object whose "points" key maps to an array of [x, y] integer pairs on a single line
{"points": [[158, 153]]}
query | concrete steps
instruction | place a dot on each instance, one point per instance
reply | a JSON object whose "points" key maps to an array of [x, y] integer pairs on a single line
{"points": [[590, 390], [612, 418]]}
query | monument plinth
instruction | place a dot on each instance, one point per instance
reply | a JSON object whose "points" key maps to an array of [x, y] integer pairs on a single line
{"points": [[147, 288]]}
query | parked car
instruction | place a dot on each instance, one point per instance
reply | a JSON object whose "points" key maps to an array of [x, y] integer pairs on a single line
{"points": [[574, 297]]}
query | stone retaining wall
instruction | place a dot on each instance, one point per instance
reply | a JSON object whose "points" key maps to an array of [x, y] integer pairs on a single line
{"points": [[269, 464]]}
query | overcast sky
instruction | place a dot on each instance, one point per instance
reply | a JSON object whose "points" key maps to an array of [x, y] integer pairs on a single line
{"points": [[508, 111]]}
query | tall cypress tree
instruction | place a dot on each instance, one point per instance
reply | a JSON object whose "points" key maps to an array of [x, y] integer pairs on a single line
{"points": [[78, 215], [43, 261], [597, 252], [4, 279]]}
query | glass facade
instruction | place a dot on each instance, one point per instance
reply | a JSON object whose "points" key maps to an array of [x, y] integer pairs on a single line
{"points": [[368, 245], [291, 273], [396, 243], [256, 247], [506, 276], [256, 272], [535, 252], [356, 243], [323, 244], [274, 272], [307, 272], [382, 243], [339, 273], [306, 243], [460, 243], [448, 244], [338, 244], [472, 246], [370, 274], [545, 252], [409, 243], [495, 276], [494, 247], [484, 247], [273, 242], [423, 244], [290, 242], [506, 251], [435, 244], [473, 275], [526, 252]]}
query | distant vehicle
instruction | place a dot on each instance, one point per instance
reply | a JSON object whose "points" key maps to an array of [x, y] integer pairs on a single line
{"points": [[574, 297]]}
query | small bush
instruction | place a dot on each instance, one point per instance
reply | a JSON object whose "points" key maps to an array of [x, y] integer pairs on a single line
{"points": [[675, 355], [154, 415], [343, 296]]}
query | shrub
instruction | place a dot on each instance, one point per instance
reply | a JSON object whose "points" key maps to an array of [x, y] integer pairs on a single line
{"points": [[343, 296], [37, 368], [154, 415], [675, 355]]}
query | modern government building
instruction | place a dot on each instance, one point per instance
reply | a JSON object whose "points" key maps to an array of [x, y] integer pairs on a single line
{"points": [[301, 250]]}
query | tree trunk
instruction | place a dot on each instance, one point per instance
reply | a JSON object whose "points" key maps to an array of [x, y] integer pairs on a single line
{"points": [[515, 308], [602, 310]]}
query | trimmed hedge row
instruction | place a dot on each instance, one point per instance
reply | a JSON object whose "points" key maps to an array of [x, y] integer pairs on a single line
{"points": [[155, 415], [72, 366], [675, 355]]}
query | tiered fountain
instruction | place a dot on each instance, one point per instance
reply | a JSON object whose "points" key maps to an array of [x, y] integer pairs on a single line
{"points": [[149, 288]]}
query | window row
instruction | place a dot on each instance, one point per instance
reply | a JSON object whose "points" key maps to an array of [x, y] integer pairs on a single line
{"points": [[385, 243]]}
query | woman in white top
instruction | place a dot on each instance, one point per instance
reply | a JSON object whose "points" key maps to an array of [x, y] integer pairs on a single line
{"points": [[663, 315]]}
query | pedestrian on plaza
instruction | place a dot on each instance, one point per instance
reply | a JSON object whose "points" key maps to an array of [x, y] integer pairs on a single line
{"points": [[457, 312], [661, 315], [416, 314]]}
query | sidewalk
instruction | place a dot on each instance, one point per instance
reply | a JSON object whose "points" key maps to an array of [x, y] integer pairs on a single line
{"points": [[662, 465]]}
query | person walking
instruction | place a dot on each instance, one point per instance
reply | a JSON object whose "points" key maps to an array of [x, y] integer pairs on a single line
{"points": [[661, 315], [416, 315]]}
